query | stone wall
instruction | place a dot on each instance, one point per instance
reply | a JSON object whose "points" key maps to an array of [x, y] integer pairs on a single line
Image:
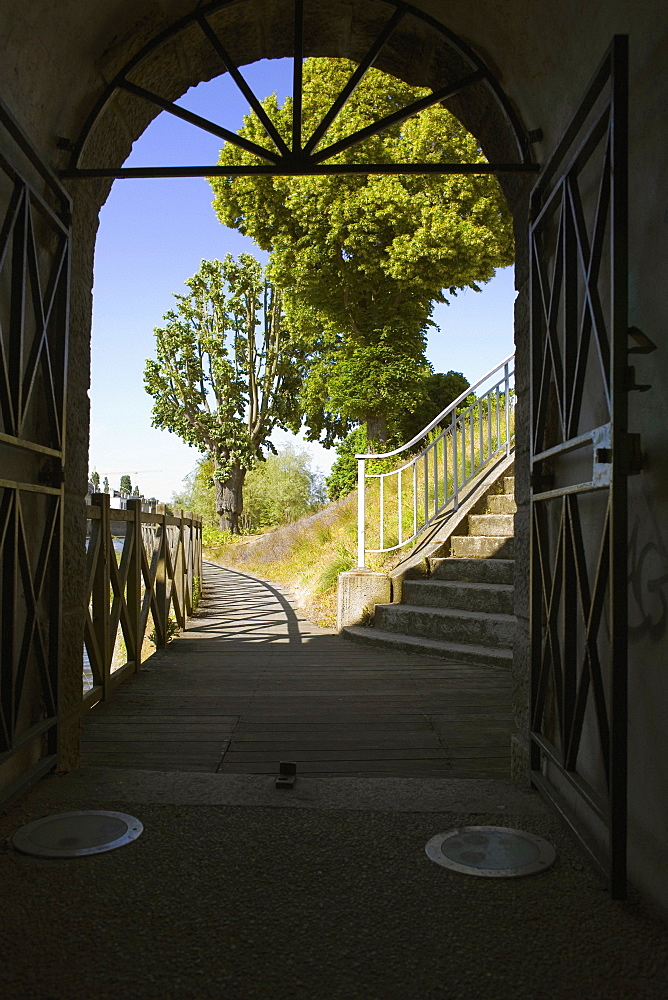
{"points": [[57, 59]]}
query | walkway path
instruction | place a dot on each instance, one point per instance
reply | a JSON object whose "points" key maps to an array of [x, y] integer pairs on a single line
{"points": [[252, 683], [239, 890]]}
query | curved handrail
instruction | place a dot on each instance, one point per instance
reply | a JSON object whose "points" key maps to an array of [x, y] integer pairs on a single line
{"points": [[438, 421], [467, 442]]}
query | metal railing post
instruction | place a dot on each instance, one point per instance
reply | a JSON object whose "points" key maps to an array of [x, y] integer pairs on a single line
{"points": [[489, 426], [361, 541], [506, 389], [381, 515], [415, 497], [400, 525], [455, 463], [425, 472]]}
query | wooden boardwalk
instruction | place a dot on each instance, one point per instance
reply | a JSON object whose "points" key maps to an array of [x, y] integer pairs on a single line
{"points": [[252, 683]]}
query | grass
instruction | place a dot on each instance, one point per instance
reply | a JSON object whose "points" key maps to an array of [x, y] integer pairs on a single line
{"points": [[306, 556]]}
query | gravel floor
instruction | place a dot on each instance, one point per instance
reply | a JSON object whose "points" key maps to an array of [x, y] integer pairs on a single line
{"points": [[236, 890]]}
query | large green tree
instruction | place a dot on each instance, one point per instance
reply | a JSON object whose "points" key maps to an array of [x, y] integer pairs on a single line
{"points": [[363, 259], [226, 373]]}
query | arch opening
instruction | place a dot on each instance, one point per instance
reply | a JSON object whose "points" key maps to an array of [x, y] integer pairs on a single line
{"points": [[222, 37]]}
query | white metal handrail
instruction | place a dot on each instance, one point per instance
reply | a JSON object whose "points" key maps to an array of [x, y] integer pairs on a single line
{"points": [[468, 438]]}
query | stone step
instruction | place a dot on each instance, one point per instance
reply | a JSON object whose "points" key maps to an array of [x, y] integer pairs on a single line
{"points": [[496, 598], [502, 503], [472, 570], [485, 656], [492, 524], [474, 628], [509, 484], [481, 547]]}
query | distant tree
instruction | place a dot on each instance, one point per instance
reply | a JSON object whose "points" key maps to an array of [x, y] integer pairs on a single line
{"points": [[125, 485], [95, 480], [105, 485], [135, 491], [278, 490], [227, 373], [282, 489], [348, 384]]}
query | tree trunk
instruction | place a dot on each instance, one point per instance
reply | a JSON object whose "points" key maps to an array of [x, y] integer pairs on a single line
{"points": [[229, 500], [376, 430]]}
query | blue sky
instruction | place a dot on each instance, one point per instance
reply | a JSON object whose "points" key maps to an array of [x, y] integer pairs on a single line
{"points": [[153, 235]]}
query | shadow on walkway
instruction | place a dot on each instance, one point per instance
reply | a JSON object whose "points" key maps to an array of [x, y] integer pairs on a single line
{"points": [[251, 683]]}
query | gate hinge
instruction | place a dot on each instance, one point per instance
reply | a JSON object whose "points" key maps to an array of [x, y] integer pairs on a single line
{"points": [[643, 345], [631, 458], [631, 383]]}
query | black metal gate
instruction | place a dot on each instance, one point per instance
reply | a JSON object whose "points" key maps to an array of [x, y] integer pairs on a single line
{"points": [[34, 287], [581, 455]]}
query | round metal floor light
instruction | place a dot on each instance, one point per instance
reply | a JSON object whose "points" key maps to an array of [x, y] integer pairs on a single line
{"points": [[74, 834], [491, 851]]}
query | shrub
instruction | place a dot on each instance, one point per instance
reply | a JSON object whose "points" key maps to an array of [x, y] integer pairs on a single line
{"points": [[344, 560]]}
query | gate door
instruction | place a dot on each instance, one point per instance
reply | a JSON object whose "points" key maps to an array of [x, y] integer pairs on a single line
{"points": [[580, 457], [34, 280]]}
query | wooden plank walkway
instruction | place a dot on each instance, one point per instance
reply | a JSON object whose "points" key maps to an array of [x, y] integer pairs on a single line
{"points": [[252, 683]]}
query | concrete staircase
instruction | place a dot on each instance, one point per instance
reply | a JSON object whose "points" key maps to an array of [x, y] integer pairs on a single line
{"points": [[463, 610]]}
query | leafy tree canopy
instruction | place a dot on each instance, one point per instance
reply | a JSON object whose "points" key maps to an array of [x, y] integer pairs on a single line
{"points": [[362, 259], [125, 484], [439, 390], [346, 383], [342, 479]]}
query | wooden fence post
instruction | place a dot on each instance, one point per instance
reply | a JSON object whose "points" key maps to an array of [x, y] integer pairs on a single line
{"points": [[101, 591], [134, 595], [188, 555], [179, 574], [161, 580]]}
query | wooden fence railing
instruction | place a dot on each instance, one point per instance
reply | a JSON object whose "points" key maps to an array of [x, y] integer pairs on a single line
{"points": [[156, 574]]}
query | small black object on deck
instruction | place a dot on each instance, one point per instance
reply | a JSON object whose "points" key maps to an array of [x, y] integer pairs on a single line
{"points": [[287, 772]]}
